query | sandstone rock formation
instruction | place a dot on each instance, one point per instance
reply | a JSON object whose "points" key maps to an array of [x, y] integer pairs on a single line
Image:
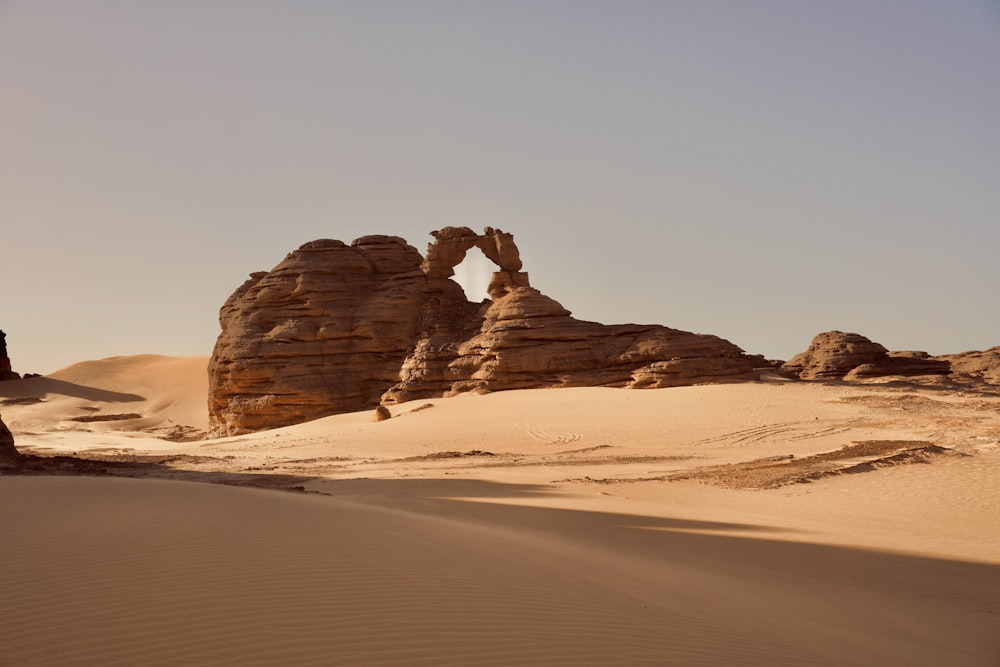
{"points": [[835, 355], [975, 367], [9, 456], [6, 373], [338, 328]]}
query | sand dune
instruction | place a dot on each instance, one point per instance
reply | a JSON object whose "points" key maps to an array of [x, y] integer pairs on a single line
{"points": [[544, 527], [163, 396], [140, 572]]}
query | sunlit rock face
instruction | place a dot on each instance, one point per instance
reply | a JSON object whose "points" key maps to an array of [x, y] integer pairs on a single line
{"points": [[850, 357], [340, 328], [835, 355], [975, 366]]}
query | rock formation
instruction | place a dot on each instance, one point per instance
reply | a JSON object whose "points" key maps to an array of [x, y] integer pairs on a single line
{"points": [[835, 355], [6, 373], [9, 456], [339, 328], [975, 367]]}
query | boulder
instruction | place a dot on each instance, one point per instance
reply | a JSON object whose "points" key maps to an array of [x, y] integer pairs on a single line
{"points": [[341, 328]]}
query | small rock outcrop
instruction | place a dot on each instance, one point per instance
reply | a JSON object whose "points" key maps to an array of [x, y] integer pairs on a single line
{"points": [[340, 328], [6, 372], [9, 456], [975, 366], [835, 355]]}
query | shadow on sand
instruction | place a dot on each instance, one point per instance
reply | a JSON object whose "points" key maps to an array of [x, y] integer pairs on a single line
{"points": [[40, 387], [843, 605]]}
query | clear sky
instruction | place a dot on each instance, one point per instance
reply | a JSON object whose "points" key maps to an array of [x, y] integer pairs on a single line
{"points": [[762, 170]]}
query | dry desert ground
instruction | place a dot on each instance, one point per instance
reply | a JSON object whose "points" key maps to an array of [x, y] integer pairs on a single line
{"points": [[767, 523]]}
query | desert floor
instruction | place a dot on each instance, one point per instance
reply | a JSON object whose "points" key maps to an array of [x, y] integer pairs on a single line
{"points": [[771, 523]]}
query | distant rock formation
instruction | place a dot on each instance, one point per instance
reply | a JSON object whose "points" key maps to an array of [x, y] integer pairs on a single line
{"points": [[835, 355], [6, 373], [975, 366], [9, 456], [340, 328]]}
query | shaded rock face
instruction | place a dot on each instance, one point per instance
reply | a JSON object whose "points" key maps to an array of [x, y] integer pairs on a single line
{"points": [[835, 355], [9, 456], [340, 328], [6, 372]]}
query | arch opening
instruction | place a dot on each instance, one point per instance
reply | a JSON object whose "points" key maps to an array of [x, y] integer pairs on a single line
{"points": [[473, 274]]}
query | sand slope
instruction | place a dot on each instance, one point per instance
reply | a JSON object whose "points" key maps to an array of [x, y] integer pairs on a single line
{"points": [[156, 572], [546, 527], [131, 395]]}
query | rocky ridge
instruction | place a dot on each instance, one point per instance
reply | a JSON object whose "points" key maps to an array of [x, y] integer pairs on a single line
{"points": [[340, 328]]}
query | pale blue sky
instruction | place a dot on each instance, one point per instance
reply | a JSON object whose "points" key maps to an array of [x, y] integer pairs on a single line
{"points": [[762, 170]]}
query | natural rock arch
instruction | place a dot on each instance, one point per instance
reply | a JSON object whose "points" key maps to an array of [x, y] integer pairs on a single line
{"points": [[450, 244], [340, 328]]}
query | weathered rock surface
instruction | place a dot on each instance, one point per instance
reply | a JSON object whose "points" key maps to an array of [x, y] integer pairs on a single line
{"points": [[9, 456], [324, 332], [527, 340], [835, 355], [975, 366], [6, 372], [339, 328], [904, 364]]}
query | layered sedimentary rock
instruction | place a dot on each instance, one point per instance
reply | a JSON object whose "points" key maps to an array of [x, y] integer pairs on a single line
{"points": [[527, 340], [835, 355], [6, 372], [338, 328], [9, 456], [975, 366], [324, 332]]}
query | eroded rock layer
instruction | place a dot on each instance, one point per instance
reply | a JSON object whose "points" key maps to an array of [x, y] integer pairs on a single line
{"points": [[340, 328], [835, 355]]}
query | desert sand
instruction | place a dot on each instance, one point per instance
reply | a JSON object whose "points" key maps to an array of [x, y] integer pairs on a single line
{"points": [[762, 523]]}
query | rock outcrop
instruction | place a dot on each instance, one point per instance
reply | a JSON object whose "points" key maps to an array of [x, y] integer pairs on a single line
{"points": [[339, 328], [975, 367], [6, 372], [9, 456], [835, 355]]}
